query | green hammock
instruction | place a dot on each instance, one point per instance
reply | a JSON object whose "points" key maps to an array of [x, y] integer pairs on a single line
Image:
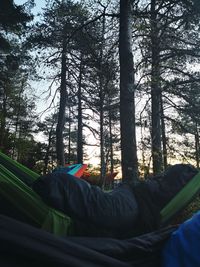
{"points": [[12, 178], [24, 199], [19, 170], [181, 200]]}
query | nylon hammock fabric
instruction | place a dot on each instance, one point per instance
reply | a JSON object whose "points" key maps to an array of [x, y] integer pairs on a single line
{"points": [[23, 245], [24, 199], [182, 248], [22, 172], [181, 200], [14, 173]]}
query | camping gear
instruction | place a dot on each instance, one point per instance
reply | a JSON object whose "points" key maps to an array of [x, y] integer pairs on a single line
{"points": [[23, 245], [126, 211], [19, 201], [182, 248], [181, 200], [28, 176], [22, 172], [94, 211], [17, 193]]}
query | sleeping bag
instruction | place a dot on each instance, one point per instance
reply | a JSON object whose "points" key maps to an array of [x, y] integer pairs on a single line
{"points": [[128, 210]]}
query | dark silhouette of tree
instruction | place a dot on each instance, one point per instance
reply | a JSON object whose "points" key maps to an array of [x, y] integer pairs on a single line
{"points": [[127, 94]]}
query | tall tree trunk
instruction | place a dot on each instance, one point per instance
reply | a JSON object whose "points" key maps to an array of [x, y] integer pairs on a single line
{"points": [[69, 138], [101, 100], [61, 113], [3, 121], [197, 146], [80, 122], [111, 143], [164, 138], [47, 154], [111, 149], [127, 95], [18, 111], [155, 93]]}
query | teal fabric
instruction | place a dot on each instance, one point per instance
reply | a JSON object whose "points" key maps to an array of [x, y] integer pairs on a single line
{"points": [[71, 169]]}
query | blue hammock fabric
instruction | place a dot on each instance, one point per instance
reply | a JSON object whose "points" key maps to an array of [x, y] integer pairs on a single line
{"points": [[182, 249]]}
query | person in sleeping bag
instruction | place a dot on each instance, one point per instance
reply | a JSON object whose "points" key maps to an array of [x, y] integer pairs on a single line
{"points": [[126, 211]]}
